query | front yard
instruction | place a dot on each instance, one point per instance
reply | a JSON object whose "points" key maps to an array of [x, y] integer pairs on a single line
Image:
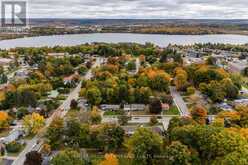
{"points": [[172, 111]]}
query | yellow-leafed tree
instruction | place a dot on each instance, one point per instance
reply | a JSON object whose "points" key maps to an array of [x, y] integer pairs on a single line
{"points": [[33, 123]]}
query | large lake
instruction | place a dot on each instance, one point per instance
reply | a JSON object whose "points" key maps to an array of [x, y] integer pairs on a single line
{"points": [[161, 40]]}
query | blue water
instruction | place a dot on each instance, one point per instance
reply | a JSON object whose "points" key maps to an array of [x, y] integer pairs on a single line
{"points": [[158, 39]]}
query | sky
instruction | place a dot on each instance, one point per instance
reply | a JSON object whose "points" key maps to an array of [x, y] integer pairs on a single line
{"points": [[138, 9]]}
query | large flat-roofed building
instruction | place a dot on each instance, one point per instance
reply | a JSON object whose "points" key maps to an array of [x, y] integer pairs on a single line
{"points": [[5, 61]]}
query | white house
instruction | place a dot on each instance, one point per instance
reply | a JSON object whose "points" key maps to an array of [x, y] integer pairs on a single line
{"points": [[134, 107], [13, 136], [110, 107], [241, 102]]}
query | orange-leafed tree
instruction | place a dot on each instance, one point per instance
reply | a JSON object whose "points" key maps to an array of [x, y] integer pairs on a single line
{"points": [[4, 120], [110, 159], [199, 114]]}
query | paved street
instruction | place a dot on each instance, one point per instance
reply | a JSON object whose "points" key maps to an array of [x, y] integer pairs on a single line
{"points": [[179, 102], [166, 121], [137, 65], [61, 111]]}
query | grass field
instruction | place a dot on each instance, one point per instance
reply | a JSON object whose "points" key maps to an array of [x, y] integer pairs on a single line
{"points": [[172, 111], [112, 113]]}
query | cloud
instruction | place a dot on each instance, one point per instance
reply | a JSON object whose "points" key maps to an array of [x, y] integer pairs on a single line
{"points": [[216, 9]]}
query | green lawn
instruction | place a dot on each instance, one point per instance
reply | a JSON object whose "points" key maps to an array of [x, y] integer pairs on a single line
{"points": [[172, 111], [29, 137], [15, 154], [144, 112], [112, 113]]}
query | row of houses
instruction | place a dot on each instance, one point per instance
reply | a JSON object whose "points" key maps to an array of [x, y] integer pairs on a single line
{"points": [[126, 107]]}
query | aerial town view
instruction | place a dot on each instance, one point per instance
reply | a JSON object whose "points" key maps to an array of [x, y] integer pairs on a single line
{"points": [[124, 82]]}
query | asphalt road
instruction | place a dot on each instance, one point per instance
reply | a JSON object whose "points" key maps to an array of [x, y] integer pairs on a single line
{"points": [[61, 111], [137, 62], [179, 102]]}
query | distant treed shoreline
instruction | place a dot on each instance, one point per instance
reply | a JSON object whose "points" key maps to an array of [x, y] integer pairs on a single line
{"points": [[146, 29]]}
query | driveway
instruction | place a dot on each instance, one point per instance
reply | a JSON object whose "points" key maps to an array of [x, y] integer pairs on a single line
{"points": [[178, 100]]}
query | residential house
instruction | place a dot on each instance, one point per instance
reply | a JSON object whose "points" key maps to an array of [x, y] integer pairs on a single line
{"points": [[22, 73], [224, 106], [241, 102], [194, 53], [57, 55], [112, 107], [134, 107], [14, 135], [165, 106], [53, 94], [70, 80]]}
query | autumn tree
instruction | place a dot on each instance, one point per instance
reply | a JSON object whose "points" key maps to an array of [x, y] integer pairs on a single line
{"points": [[210, 142], [54, 133], [112, 137], [158, 79], [199, 114], [33, 123], [216, 92], [230, 89], [143, 94], [237, 157], [75, 134], [67, 157], [95, 116], [144, 145], [180, 122], [4, 120], [110, 159], [178, 153], [180, 79], [93, 95], [46, 149], [243, 112]]}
